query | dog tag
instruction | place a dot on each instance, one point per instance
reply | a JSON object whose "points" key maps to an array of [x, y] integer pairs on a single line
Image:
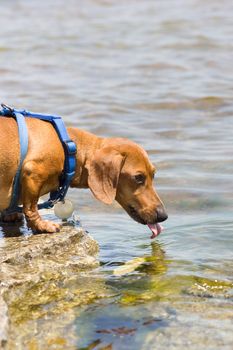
{"points": [[64, 210]]}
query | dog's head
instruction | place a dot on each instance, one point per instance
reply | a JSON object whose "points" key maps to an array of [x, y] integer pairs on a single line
{"points": [[121, 170]]}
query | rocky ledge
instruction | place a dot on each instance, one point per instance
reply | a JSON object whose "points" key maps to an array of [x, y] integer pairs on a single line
{"points": [[29, 259]]}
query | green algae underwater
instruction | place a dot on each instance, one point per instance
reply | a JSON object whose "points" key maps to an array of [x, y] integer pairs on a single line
{"points": [[150, 299]]}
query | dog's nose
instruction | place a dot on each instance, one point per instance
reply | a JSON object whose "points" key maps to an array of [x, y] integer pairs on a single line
{"points": [[161, 214]]}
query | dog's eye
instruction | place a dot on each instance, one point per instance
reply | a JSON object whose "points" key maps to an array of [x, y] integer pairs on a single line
{"points": [[140, 179]]}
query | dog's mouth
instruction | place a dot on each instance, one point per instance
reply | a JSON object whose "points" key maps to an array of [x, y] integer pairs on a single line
{"points": [[155, 228], [135, 215]]}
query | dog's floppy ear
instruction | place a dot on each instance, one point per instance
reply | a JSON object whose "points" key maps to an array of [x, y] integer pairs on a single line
{"points": [[103, 173]]}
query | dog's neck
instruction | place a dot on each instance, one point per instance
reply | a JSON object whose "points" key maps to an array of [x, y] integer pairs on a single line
{"points": [[87, 144]]}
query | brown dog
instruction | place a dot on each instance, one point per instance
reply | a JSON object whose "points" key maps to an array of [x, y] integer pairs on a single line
{"points": [[113, 168]]}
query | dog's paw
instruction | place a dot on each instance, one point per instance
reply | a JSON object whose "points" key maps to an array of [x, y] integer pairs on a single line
{"points": [[14, 217], [46, 227]]}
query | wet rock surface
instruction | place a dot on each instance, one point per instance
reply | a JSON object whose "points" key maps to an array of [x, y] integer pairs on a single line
{"points": [[35, 273], [4, 323]]}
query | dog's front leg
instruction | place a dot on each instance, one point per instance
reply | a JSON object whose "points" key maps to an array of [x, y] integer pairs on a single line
{"points": [[32, 182]]}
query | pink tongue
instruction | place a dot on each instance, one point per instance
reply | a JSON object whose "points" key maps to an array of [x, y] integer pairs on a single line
{"points": [[156, 229]]}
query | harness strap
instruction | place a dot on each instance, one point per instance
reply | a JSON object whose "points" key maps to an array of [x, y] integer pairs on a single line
{"points": [[69, 147], [70, 150], [23, 138]]}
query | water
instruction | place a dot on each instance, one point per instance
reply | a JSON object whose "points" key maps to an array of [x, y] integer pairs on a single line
{"points": [[159, 73]]}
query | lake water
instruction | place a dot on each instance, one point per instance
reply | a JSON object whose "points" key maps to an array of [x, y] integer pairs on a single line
{"points": [[161, 74]]}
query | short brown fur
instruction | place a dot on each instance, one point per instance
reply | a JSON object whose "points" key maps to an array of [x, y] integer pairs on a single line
{"points": [[105, 165]]}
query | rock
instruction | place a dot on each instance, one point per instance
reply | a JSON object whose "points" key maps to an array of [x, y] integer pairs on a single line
{"points": [[4, 323], [33, 263], [26, 257]]}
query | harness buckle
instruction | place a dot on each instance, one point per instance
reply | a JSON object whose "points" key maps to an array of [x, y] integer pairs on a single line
{"points": [[70, 147], [8, 108]]}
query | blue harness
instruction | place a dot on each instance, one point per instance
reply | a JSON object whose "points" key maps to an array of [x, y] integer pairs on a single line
{"points": [[70, 151]]}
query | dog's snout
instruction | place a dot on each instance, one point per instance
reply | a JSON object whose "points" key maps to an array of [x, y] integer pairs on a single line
{"points": [[161, 214]]}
